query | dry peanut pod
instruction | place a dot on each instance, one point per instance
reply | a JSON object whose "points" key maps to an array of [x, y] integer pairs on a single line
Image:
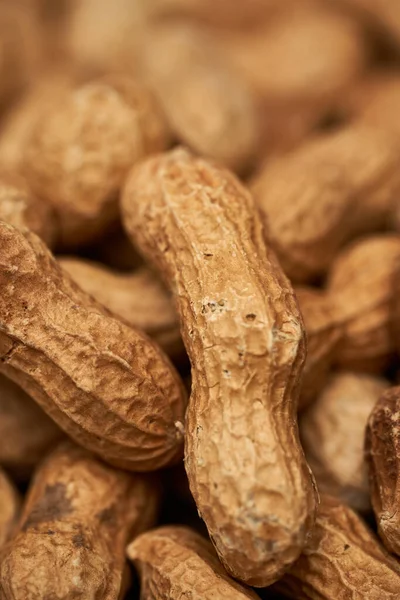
{"points": [[299, 63], [332, 431], [207, 104], [77, 519], [326, 191], [382, 446], [79, 152], [323, 337], [139, 298], [21, 208], [175, 563], [362, 290], [244, 336], [343, 560], [9, 508], [108, 386], [26, 432]]}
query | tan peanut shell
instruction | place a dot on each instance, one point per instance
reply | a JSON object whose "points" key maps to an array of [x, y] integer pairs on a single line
{"points": [[307, 54], [139, 298], [332, 431], [324, 333], [244, 336], [108, 386], [324, 193], [343, 560], [361, 285], [208, 106], [9, 508], [21, 208], [78, 517], [382, 446], [26, 432], [175, 563], [80, 151]]}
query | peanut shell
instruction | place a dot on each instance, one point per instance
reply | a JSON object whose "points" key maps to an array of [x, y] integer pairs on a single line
{"points": [[108, 386], [244, 336], [9, 508]]}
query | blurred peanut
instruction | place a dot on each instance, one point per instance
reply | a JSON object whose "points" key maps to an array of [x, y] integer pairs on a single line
{"points": [[9, 508]]}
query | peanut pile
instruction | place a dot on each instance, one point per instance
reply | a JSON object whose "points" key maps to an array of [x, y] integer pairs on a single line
{"points": [[199, 299]]}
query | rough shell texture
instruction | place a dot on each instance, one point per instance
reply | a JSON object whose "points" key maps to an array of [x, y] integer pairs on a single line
{"points": [[139, 298], [103, 382], [383, 456], [9, 508], [80, 151], [332, 432], [78, 517], [306, 54], [343, 560], [362, 290], [176, 563], [26, 432], [207, 104], [323, 337], [244, 336], [326, 191], [23, 209]]}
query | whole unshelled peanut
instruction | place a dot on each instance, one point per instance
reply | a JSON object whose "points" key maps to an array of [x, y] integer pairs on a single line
{"points": [[108, 386], [78, 517], [382, 445], [26, 432], [208, 106], [324, 333], [244, 336], [174, 562], [9, 508], [332, 431], [79, 152], [139, 298], [343, 560], [21, 208], [324, 193]]}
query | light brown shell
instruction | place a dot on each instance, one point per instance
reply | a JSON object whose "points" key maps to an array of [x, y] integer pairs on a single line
{"points": [[332, 431], [208, 106], [78, 517], [26, 432], [80, 151], [324, 193], [343, 561], [361, 284], [175, 563], [382, 445], [244, 336], [21, 208], [323, 337], [9, 508], [108, 386], [139, 298]]}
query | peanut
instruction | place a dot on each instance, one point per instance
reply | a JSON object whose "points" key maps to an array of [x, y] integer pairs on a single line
{"points": [[207, 105], [26, 432], [384, 15], [108, 387], [175, 562], [383, 453], [244, 336], [324, 193], [77, 519], [78, 154], [332, 432], [343, 560], [9, 508], [138, 298], [21, 208]]}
